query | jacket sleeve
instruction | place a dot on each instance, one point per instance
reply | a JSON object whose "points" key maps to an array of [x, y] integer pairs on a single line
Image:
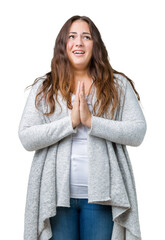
{"points": [[132, 127], [34, 133]]}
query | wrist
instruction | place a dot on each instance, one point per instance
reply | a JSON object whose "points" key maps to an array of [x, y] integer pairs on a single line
{"points": [[73, 125], [88, 124]]}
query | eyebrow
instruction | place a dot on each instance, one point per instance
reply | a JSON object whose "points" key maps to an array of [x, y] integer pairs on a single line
{"points": [[82, 33]]}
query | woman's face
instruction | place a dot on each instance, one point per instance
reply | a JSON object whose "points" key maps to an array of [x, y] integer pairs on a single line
{"points": [[79, 45]]}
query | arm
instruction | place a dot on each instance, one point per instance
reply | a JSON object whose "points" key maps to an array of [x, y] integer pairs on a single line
{"points": [[130, 130], [34, 133]]}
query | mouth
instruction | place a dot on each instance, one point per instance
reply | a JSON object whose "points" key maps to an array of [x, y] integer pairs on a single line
{"points": [[78, 52]]}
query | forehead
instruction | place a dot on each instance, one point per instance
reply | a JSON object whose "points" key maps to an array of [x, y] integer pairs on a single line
{"points": [[79, 26]]}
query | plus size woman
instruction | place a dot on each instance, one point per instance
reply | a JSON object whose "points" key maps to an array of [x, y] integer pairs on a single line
{"points": [[78, 119]]}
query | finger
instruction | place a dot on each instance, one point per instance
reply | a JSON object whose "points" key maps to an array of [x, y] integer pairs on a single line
{"points": [[82, 91], [78, 87], [83, 88], [77, 91]]}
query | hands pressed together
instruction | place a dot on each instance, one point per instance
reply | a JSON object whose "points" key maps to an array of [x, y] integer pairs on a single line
{"points": [[80, 112]]}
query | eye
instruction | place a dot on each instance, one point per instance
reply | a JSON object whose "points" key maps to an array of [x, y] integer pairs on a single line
{"points": [[71, 36], [87, 37]]}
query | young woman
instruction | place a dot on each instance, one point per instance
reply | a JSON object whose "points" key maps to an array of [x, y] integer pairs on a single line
{"points": [[78, 119]]}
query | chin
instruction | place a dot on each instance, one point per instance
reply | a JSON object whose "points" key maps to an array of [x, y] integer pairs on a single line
{"points": [[80, 65]]}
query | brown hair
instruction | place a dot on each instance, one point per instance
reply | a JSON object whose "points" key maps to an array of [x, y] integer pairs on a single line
{"points": [[61, 76]]}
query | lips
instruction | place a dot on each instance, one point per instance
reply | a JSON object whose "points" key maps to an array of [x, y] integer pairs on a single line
{"points": [[78, 52]]}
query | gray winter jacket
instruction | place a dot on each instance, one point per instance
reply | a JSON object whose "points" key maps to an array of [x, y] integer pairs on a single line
{"points": [[110, 175]]}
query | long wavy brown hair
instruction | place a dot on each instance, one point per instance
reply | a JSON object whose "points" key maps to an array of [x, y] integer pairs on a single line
{"points": [[61, 76]]}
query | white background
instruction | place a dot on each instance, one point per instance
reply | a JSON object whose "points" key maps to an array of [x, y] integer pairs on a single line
{"points": [[133, 32]]}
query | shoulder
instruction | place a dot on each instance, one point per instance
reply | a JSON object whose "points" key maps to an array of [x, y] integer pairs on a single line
{"points": [[120, 79], [121, 84], [37, 84]]}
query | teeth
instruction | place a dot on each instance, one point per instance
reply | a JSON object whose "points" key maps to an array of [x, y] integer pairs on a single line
{"points": [[78, 52]]}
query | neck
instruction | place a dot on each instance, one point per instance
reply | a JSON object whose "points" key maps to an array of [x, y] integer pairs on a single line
{"points": [[81, 75]]}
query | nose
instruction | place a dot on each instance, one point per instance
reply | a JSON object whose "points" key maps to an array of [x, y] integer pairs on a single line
{"points": [[79, 41]]}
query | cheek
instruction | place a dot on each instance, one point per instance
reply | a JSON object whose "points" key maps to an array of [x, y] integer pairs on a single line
{"points": [[69, 46], [90, 48]]}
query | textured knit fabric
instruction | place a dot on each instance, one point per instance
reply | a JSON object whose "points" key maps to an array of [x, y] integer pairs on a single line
{"points": [[110, 175]]}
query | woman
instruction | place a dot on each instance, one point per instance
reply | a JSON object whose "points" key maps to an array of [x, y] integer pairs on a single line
{"points": [[78, 119]]}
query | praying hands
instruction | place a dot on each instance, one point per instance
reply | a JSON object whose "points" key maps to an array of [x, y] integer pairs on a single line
{"points": [[80, 112]]}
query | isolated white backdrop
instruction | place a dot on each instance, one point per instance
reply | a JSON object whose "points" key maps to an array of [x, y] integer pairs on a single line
{"points": [[133, 32]]}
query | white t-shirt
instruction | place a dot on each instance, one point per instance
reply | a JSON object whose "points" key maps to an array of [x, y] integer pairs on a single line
{"points": [[79, 159]]}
